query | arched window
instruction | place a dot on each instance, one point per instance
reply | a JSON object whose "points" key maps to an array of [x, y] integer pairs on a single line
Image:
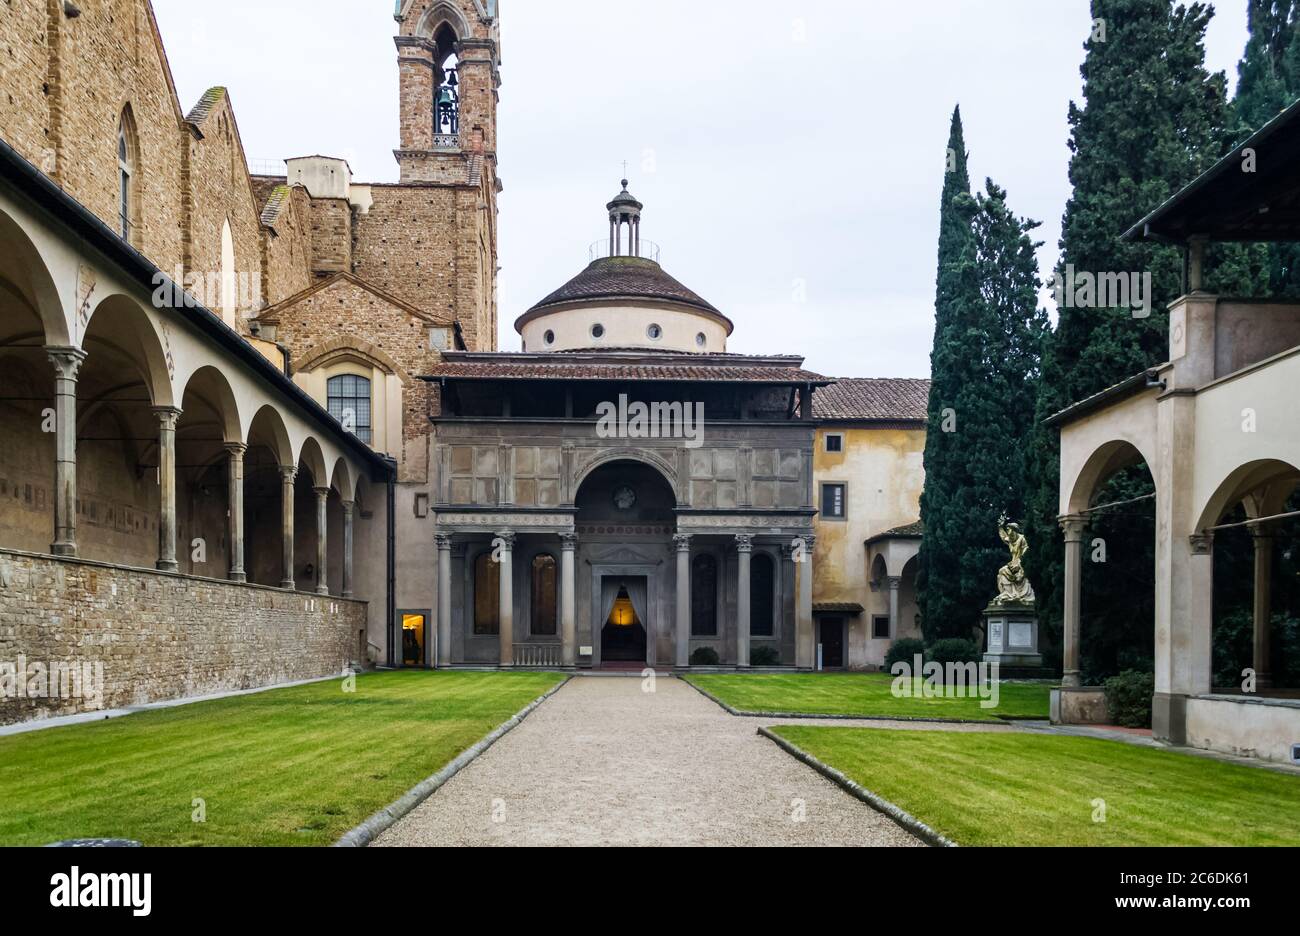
{"points": [[229, 296], [544, 611], [127, 161], [762, 596], [349, 403], [704, 596], [487, 596]]}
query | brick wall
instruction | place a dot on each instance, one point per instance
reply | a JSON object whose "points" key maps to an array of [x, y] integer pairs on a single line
{"points": [[163, 637]]}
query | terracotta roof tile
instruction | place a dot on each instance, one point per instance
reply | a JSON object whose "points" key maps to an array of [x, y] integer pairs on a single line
{"points": [[873, 398], [677, 368]]}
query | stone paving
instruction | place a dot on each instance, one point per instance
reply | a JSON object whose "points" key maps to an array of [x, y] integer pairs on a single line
{"points": [[605, 763]]}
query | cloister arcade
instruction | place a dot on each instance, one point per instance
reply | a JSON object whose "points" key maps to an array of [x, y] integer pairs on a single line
{"points": [[136, 434]]}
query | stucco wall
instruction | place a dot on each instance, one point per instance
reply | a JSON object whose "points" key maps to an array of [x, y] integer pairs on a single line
{"points": [[885, 473], [1247, 727]]}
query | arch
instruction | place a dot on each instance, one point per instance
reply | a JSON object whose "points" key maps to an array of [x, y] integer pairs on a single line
{"points": [[210, 385], [120, 323], [268, 428], [639, 456], [313, 458], [1271, 479], [24, 270], [342, 481], [439, 15], [349, 349], [1102, 464]]}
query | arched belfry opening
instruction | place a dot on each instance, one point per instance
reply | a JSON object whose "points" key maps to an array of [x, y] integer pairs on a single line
{"points": [[446, 101]]}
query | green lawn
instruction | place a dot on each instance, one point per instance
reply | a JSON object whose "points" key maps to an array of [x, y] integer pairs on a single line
{"points": [[1030, 789], [296, 766], [867, 694]]}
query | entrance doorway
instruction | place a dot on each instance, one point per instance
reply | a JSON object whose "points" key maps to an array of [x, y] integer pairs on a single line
{"points": [[831, 637], [415, 647], [623, 638]]}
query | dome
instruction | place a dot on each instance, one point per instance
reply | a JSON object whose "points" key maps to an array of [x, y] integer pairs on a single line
{"points": [[625, 300]]}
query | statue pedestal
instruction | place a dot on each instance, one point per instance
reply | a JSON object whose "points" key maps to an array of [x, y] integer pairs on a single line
{"points": [[1013, 635]]}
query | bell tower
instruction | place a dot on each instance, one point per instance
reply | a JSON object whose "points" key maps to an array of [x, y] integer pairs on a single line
{"points": [[449, 60]]}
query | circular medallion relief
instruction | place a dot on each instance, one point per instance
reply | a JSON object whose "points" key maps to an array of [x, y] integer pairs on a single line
{"points": [[624, 498]]}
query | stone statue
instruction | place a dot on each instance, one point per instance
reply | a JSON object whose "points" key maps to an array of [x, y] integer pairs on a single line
{"points": [[1013, 584]]}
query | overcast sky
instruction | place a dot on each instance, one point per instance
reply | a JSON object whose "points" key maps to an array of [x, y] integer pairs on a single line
{"points": [[790, 153]]}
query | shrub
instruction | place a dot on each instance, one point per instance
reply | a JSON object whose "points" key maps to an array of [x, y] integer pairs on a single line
{"points": [[705, 656], [953, 650], [1128, 699], [764, 655], [904, 651]]}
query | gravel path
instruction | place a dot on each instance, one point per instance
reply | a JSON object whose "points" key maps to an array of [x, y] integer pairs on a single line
{"points": [[604, 763]]}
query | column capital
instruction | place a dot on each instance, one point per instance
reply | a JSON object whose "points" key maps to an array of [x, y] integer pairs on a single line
{"points": [[895, 582], [744, 542], [507, 539], [682, 541], [568, 541], [349, 507], [235, 449], [67, 361], [321, 491], [1202, 543], [288, 473], [443, 541], [1263, 531], [168, 416], [1074, 527]]}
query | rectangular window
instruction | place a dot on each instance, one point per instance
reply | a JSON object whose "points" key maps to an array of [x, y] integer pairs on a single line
{"points": [[349, 403], [880, 627], [834, 444], [835, 501]]}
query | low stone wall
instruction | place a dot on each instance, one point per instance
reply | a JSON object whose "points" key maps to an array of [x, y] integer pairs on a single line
{"points": [[95, 636], [1247, 727], [1085, 706]]}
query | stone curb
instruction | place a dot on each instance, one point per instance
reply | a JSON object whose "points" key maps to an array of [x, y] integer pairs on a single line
{"points": [[904, 820], [381, 821], [809, 717]]}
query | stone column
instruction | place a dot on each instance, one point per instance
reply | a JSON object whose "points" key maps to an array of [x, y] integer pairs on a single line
{"points": [[683, 641], [1074, 529], [349, 519], [744, 550], [168, 416], [1263, 606], [235, 499], [67, 364], [287, 476], [895, 584], [568, 599], [505, 545], [322, 529], [443, 542], [805, 633]]}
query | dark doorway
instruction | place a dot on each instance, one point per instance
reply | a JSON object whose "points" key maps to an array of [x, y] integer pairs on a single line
{"points": [[623, 638], [832, 641]]}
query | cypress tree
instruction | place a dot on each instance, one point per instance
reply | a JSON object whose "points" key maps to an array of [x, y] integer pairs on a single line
{"points": [[1153, 119], [984, 362], [1268, 81]]}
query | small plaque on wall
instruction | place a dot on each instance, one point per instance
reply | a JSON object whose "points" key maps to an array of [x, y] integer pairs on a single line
{"points": [[584, 651]]}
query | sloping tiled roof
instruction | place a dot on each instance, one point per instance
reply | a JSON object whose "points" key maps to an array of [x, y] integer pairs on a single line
{"points": [[873, 398], [624, 278], [729, 368]]}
